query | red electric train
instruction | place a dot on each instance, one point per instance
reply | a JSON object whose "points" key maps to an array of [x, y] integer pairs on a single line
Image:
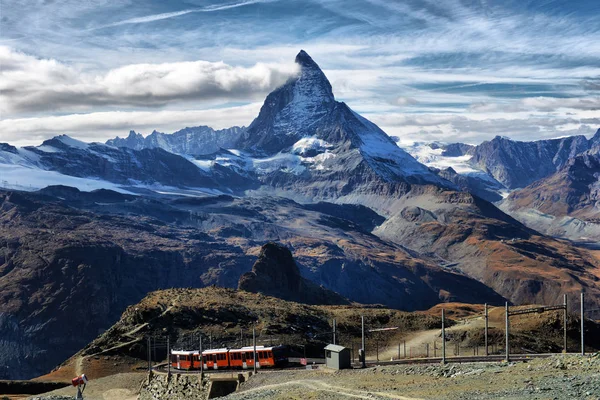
{"points": [[230, 358]]}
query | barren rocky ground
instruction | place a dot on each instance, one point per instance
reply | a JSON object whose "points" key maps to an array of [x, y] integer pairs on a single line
{"points": [[558, 377]]}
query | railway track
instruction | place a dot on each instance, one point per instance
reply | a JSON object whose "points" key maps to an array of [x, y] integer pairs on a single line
{"points": [[163, 368], [461, 359]]}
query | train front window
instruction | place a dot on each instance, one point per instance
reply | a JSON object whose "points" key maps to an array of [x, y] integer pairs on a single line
{"points": [[279, 353]]}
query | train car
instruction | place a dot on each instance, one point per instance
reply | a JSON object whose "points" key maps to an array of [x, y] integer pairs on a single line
{"points": [[265, 357], [216, 359], [182, 359], [230, 358]]}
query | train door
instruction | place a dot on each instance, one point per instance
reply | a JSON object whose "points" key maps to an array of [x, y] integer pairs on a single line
{"points": [[210, 363], [244, 365]]}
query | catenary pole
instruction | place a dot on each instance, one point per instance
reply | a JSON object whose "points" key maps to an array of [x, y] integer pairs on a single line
{"points": [[506, 332], [565, 324], [168, 357], [364, 360], [582, 334], [334, 331], [443, 336], [486, 329], [254, 344], [201, 357]]}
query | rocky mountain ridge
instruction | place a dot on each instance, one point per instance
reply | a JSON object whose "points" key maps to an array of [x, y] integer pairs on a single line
{"points": [[194, 141], [566, 203]]}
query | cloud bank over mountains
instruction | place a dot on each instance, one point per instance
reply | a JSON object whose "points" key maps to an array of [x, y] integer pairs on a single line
{"points": [[423, 70]]}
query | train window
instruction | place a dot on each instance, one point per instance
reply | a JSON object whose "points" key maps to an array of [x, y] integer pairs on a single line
{"points": [[261, 355], [270, 354]]}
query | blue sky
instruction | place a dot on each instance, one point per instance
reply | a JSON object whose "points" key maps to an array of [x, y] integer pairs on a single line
{"points": [[423, 70]]}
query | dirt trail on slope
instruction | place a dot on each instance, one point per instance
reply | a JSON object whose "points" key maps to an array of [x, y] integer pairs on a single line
{"points": [[417, 340]]}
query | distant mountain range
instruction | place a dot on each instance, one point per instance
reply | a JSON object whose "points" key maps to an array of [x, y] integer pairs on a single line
{"points": [[364, 218], [196, 141]]}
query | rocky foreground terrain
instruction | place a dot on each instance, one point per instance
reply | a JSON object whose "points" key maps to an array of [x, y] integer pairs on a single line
{"points": [[558, 377]]}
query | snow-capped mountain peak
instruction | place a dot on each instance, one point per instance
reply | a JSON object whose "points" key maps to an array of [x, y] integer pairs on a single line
{"points": [[311, 85], [292, 111]]}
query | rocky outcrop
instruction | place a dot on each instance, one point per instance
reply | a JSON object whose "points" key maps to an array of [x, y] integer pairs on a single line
{"points": [[176, 387], [276, 274]]}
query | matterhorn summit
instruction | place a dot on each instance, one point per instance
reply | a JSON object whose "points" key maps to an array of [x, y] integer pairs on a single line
{"points": [[347, 150]]}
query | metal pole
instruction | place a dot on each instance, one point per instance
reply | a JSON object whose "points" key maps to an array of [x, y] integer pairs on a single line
{"points": [[398, 351], [427, 349], [169, 356], [565, 324], [241, 337], [486, 330], [506, 328], [149, 353], [443, 337], [582, 319], [210, 341], [404, 342], [364, 362], [154, 349], [254, 341], [334, 331], [201, 357]]}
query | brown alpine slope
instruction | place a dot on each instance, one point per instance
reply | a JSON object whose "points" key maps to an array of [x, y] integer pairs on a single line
{"points": [[475, 238], [225, 318], [71, 262], [276, 274]]}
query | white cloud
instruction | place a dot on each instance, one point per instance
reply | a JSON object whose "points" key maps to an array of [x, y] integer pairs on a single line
{"points": [[100, 126], [161, 16], [28, 84]]}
